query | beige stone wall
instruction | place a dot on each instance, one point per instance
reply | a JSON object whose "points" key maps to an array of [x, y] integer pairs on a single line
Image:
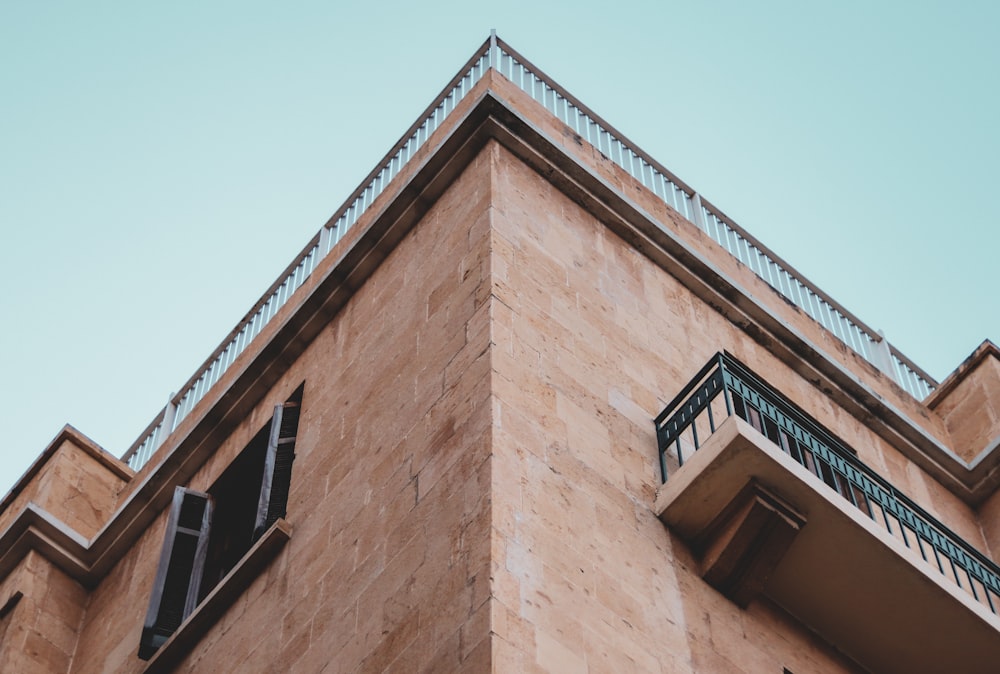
{"points": [[476, 457], [970, 406], [591, 340], [388, 564], [971, 410], [989, 516], [632, 191], [73, 486], [678, 338], [39, 635]]}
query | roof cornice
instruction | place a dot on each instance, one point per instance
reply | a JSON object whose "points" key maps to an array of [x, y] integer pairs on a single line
{"points": [[491, 112]]}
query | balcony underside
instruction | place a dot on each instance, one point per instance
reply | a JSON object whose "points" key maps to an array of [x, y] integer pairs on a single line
{"points": [[857, 586]]}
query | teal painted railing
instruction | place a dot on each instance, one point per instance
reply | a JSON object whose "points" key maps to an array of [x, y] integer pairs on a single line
{"points": [[725, 387]]}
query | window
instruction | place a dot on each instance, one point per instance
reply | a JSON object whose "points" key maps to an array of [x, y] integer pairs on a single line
{"points": [[209, 533]]}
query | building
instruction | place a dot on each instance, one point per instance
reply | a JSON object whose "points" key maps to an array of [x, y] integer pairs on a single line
{"points": [[431, 446]]}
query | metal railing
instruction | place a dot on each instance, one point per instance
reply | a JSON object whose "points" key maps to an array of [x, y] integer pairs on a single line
{"points": [[725, 387], [819, 306], [181, 404], [496, 54]]}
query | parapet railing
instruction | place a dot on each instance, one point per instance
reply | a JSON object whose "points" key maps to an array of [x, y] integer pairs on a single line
{"points": [[181, 404], [496, 54], [819, 306], [725, 387]]}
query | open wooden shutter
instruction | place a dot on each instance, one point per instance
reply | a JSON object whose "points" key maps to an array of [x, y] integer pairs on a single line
{"points": [[178, 576], [277, 467]]}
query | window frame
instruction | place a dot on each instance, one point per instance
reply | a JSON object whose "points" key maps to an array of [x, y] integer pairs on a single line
{"points": [[159, 628], [156, 630], [272, 504]]}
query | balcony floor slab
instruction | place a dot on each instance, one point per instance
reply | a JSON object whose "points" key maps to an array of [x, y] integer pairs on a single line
{"points": [[844, 576]]}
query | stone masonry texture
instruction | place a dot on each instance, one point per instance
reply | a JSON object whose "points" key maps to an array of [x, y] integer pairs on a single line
{"points": [[476, 467]]}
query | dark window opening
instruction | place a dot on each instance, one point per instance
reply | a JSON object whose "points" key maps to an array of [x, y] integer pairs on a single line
{"points": [[209, 533], [235, 494]]}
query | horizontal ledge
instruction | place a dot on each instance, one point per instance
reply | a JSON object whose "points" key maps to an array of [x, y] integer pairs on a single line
{"points": [[35, 528], [220, 599]]}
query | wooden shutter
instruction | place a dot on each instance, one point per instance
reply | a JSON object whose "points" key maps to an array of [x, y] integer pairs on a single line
{"points": [[277, 467], [178, 576]]}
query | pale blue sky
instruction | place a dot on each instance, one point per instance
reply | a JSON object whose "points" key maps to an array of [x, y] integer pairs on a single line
{"points": [[160, 164]]}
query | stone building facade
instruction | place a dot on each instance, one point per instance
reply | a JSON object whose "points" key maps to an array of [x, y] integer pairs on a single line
{"points": [[475, 357]]}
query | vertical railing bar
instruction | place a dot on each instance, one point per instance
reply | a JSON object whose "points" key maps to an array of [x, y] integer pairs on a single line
{"points": [[835, 467], [619, 150]]}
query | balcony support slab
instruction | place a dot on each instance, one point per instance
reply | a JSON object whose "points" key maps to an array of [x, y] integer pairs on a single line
{"points": [[845, 577], [746, 541]]}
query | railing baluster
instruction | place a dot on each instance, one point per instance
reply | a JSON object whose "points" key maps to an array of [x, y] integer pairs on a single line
{"points": [[795, 289], [495, 54]]}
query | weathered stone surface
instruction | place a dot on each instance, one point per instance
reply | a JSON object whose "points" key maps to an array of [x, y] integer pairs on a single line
{"points": [[74, 480], [589, 578], [476, 462], [969, 402]]}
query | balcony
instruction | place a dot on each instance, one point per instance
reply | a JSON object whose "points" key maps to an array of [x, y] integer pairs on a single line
{"points": [[775, 505]]}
